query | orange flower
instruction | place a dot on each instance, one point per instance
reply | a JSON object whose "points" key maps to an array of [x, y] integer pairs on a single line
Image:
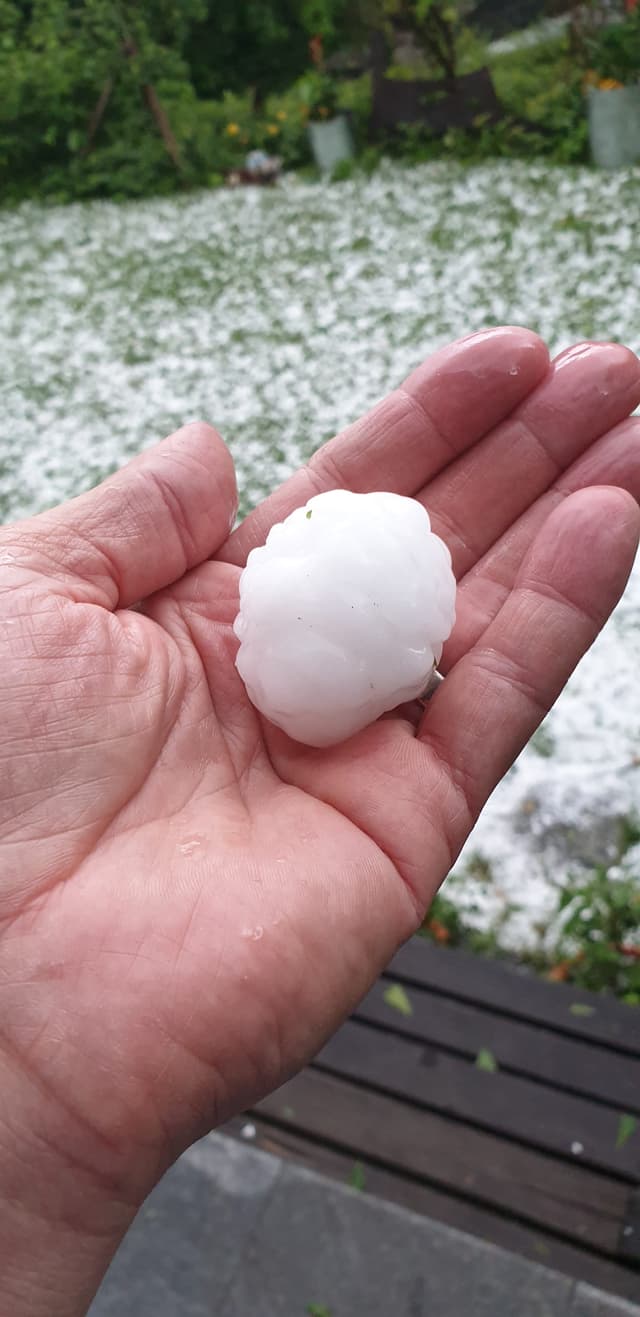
{"points": [[316, 50], [610, 84], [440, 931], [272, 129], [232, 130], [560, 972]]}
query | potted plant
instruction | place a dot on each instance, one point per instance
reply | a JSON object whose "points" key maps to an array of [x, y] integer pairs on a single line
{"points": [[613, 88], [328, 127]]}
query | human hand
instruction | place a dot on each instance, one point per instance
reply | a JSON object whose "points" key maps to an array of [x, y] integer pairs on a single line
{"points": [[190, 902]]}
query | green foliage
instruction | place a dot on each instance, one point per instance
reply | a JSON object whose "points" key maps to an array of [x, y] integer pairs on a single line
{"points": [[357, 1177], [55, 63], [343, 170], [370, 159], [436, 26], [485, 1060], [217, 135], [259, 43], [319, 95], [613, 50], [398, 999], [627, 1126], [56, 58], [597, 923], [543, 86], [591, 940], [355, 97]]}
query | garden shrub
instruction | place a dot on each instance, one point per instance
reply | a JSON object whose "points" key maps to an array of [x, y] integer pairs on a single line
{"points": [[48, 93], [543, 85]]}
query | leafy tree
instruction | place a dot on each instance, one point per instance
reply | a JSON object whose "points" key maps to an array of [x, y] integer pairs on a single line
{"points": [[57, 57], [262, 44], [435, 24]]}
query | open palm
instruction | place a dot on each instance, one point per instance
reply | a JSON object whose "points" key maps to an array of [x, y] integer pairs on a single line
{"points": [[189, 901]]}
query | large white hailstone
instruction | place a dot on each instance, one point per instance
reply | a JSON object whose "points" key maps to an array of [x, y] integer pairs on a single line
{"points": [[343, 613]]}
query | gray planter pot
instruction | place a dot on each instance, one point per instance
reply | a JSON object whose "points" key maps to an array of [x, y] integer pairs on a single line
{"points": [[614, 126], [331, 141]]}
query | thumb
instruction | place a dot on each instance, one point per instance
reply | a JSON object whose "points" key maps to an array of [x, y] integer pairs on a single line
{"points": [[141, 530]]}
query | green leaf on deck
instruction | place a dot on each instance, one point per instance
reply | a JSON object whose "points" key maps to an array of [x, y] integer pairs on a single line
{"points": [[485, 1060], [356, 1179], [396, 997], [626, 1127], [309, 514], [318, 1310], [581, 1008]]}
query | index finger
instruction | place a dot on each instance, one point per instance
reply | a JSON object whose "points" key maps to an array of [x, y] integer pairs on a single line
{"points": [[444, 407]]}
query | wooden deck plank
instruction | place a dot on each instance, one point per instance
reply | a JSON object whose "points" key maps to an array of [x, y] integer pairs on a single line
{"points": [[540, 1154], [575, 1064], [518, 1108], [518, 995], [535, 1244], [570, 1199]]}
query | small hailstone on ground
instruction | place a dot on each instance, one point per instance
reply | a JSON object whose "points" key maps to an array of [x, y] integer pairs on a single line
{"points": [[343, 613]]}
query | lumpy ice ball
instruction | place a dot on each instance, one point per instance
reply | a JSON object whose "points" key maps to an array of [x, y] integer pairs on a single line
{"points": [[343, 613]]}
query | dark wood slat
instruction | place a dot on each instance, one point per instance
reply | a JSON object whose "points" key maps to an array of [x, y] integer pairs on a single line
{"points": [[437, 1204], [575, 1202], [527, 1049], [630, 1232], [518, 994], [549, 1119]]}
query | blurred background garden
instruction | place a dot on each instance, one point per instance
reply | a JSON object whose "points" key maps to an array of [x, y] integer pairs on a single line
{"points": [[266, 214]]}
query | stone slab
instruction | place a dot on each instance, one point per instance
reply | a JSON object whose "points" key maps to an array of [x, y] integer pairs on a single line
{"points": [[234, 1232]]}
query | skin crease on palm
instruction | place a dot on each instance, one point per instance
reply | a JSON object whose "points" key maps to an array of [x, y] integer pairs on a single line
{"points": [[190, 902]]}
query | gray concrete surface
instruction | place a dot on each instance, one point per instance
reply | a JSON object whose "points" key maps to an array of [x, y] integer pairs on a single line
{"points": [[234, 1232], [588, 1302]]}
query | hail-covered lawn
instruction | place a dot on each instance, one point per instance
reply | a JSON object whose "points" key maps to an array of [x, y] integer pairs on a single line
{"points": [[281, 315]]}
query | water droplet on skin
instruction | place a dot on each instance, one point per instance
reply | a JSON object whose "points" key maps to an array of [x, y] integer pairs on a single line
{"points": [[514, 370], [577, 1148], [189, 846], [254, 934]]}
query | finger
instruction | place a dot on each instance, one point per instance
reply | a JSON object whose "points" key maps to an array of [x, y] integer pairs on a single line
{"points": [[165, 512], [489, 705], [587, 391], [447, 404], [613, 460]]}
